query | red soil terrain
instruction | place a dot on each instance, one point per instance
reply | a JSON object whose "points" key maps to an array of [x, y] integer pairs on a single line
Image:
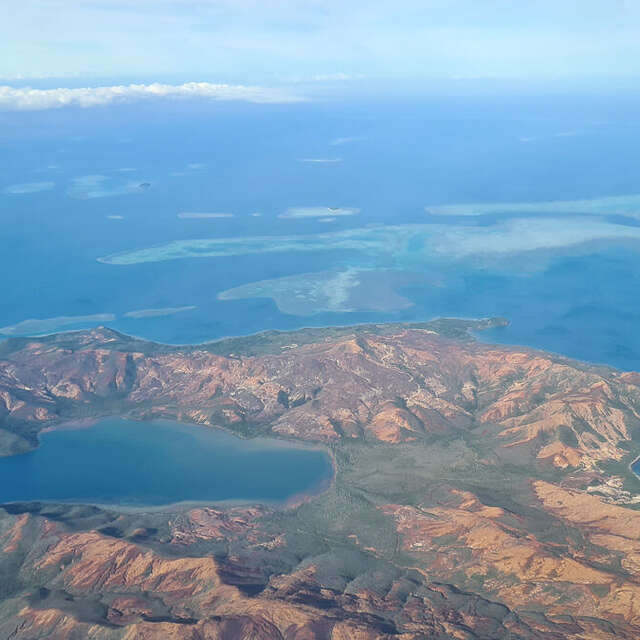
{"points": [[480, 492]]}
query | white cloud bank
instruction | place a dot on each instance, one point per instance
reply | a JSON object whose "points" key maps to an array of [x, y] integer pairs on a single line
{"points": [[28, 99]]}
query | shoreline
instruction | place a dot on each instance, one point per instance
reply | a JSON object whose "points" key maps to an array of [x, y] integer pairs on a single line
{"points": [[79, 423], [467, 326], [357, 326]]}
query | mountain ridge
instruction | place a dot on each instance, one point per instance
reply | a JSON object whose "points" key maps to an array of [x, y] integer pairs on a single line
{"points": [[481, 491]]}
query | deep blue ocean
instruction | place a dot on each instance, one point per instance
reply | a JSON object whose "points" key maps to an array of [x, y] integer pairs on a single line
{"points": [[389, 157]]}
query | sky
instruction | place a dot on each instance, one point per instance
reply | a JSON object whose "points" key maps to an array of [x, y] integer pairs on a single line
{"points": [[292, 41]]}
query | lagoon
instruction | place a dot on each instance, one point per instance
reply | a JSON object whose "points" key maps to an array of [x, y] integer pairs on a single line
{"points": [[141, 464]]}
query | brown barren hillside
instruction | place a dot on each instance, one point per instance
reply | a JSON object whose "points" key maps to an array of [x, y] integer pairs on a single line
{"points": [[480, 492]]}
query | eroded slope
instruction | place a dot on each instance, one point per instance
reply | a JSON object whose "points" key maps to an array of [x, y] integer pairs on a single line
{"points": [[481, 492]]}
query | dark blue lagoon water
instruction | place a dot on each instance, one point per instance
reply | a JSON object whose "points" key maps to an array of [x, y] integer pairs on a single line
{"points": [[99, 233], [157, 463]]}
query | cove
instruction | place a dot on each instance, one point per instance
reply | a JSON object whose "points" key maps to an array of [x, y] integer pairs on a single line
{"points": [[139, 464]]}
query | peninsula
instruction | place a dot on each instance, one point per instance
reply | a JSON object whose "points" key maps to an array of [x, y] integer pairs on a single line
{"points": [[480, 491]]}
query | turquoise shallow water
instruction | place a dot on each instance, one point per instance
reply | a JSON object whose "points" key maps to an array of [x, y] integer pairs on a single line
{"points": [[129, 463], [400, 155]]}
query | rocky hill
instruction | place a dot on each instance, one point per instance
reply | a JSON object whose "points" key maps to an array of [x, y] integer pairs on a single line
{"points": [[480, 492]]}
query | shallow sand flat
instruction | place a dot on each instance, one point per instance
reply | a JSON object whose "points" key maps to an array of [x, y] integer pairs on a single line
{"points": [[162, 311], [318, 212], [49, 325], [521, 235], [303, 294], [28, 187], [338, 142], [368, 239], [187, 215], [339, 291], [320, 160], [407, 246], [100, 186], [628, 205]]}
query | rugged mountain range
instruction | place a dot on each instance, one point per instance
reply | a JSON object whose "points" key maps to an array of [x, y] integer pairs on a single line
{"points": [[479, 492]]}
